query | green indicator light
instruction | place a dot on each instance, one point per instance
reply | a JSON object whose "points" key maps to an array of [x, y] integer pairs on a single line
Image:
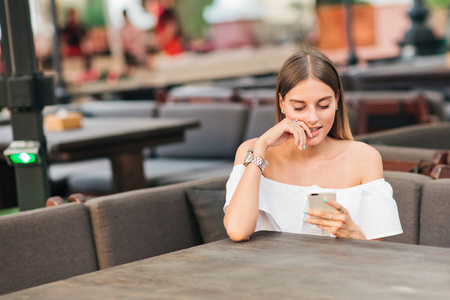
{"points": [[22, 158]]}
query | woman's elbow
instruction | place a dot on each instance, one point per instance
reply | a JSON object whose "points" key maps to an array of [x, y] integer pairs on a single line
{"points": [[237, 233], [238, 236]]}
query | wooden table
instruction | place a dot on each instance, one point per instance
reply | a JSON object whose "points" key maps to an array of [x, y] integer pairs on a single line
{"points": [[120, 139], [269, 266]]}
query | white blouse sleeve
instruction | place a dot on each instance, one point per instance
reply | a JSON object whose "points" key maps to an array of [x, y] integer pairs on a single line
{"points": [[265, 220], [378, 213], [232, 183]]}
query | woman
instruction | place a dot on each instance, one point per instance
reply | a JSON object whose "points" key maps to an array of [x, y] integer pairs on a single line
{"points": [[309, 150]]}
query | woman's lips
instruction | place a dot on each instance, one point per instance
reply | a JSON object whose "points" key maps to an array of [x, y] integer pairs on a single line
{"points": [[315, 131]]}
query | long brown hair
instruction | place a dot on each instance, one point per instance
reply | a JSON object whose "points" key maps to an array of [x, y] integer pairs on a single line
{"points": [[310, 63]]}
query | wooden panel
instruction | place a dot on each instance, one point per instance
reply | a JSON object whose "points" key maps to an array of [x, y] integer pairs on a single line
{"points": [[332, 26]]}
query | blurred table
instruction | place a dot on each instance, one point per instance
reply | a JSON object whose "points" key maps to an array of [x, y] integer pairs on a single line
{"points": [[191, 68], [271, 265], [427, 72], [120, 139]]}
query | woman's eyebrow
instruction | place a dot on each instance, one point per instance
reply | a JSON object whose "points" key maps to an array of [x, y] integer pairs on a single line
{"points": [[303, 101]]}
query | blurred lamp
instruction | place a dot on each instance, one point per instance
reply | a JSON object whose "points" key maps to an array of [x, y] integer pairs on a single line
{"points": [[23, 153]]}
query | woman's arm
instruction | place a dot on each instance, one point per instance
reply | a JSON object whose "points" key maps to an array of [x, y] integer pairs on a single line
{"points": [[242, 213]]}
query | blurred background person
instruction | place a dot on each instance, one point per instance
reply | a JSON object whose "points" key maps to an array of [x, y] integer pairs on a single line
{"points": [[75, 44], [168, 37], [133, 43]]}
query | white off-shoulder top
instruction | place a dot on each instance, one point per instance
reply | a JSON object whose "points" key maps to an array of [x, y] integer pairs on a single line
{"points": [[370, 205]]}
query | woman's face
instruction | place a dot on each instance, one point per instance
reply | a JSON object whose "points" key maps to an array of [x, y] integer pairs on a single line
{"points": [[314, 103]]}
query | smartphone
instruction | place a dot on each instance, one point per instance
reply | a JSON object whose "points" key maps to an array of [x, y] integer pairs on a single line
{"points": [[315, 201]]}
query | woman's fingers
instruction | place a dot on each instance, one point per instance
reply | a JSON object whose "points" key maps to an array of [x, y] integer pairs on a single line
{"points": [[336, 205], [305, 128], [299, 127], [291, 129]]}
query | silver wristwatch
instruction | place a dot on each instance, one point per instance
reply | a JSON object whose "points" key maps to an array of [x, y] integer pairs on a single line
{"points": [[252, 158]]}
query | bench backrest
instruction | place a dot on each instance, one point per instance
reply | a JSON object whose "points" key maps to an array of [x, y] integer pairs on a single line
{"points": [[435, 213], [45, 245], [144, 223], [407, 189]]}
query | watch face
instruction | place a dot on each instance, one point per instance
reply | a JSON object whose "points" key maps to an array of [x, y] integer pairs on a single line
{"points": [[248, 158]]}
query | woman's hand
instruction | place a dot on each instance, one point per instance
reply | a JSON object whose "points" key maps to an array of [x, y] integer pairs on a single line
{"points": [[338, 223], [285, 130]]}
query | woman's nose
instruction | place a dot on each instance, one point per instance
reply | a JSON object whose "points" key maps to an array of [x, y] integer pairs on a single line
{"points": [[312, 117]]}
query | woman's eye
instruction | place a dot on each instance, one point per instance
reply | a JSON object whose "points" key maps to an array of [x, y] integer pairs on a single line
{"points": [[299, 108], [324, 106]]}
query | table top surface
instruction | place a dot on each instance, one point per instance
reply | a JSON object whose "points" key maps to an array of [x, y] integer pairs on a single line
{"points": [[100, 131], [270, 266], [431, 66]]}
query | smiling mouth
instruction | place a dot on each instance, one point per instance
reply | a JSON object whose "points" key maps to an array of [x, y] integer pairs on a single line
{"points": [[314, 129]]}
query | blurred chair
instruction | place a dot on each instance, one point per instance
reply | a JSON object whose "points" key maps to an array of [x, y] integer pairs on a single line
{"points": [[260, 119], [201, 94], [256, 97], [379, 110], [114, 109], [415, 160]]}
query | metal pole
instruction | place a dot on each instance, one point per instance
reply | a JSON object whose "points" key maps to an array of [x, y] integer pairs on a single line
{"points": [[352, 59], [60, 83], [27, 91]]}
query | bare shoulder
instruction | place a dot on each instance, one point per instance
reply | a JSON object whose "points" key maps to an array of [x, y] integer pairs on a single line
{"points": [[368, 160], [242, 150], [364, 150]]}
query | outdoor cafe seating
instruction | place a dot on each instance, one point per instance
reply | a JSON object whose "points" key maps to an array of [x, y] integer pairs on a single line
{"points": [[137, 188], [63, 241]]}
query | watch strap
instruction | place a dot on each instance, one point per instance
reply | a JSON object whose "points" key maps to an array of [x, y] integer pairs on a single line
{"points": [[256, 159]]}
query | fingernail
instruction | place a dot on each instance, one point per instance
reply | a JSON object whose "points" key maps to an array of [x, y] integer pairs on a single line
{"points": [[304, 147], [325, 199], [296, 144], [304, 220], [311, 135], [305, 212]]}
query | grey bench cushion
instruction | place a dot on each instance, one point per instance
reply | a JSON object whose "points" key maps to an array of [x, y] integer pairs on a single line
{"points": [[408, 194], [45, 245], [435, 214], [162, 221], [405, 153], [221, 130], [435, 136]]}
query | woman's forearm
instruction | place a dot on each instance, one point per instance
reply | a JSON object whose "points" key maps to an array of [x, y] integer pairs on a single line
{"points": [[242, 212]]}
